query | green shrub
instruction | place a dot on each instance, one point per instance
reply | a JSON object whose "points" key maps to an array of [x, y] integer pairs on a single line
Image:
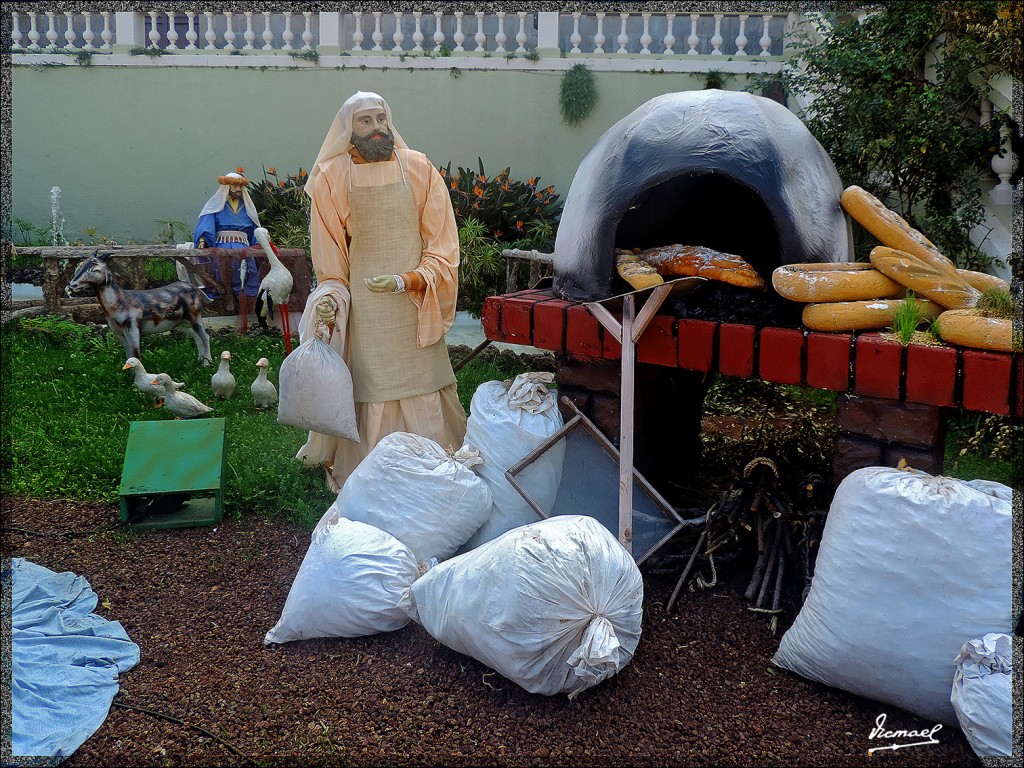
{"points": [[283, 207], [577, 94]]}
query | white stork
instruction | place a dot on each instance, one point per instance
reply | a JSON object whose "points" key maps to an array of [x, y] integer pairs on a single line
{"points": [[275, 288]]}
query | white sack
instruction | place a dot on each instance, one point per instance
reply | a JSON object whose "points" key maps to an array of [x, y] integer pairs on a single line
{"points": [[349, 584], [982, 688], [505, 423], [316, 391], [909, 565], [410, 487], [554, 606]]}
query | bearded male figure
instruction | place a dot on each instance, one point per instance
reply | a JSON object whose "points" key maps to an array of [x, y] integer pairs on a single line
{"points": [[385, 251]]}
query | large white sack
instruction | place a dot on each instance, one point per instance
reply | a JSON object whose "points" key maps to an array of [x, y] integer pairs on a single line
{"points": [[554, 606], [507, 421], [316, 391], [350, 583], [982, 689], [909, 565], [410, 487]]}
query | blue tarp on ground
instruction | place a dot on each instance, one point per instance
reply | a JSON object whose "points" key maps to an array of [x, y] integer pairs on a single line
{"points": [[65, 661]]}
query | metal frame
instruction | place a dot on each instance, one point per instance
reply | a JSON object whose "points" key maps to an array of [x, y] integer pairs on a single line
{"points": [[579, 420]]}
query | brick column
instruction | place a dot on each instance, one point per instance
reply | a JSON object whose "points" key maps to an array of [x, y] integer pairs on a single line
{"points": [[876, 431]]}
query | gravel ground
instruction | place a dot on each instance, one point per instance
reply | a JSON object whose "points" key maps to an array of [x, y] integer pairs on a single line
{"points": [[700, 691]]}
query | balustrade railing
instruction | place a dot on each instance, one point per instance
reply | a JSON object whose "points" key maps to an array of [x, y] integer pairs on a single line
{"points": [[596, 35]]}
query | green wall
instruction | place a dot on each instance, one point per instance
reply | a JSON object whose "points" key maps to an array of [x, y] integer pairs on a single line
{"points": [[131, 145]]}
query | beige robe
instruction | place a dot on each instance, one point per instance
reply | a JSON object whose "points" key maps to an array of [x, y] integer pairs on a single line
{"points": [[438, 414]]}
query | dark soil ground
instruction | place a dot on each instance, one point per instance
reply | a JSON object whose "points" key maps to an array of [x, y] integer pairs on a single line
{"points": [[701, 689]]}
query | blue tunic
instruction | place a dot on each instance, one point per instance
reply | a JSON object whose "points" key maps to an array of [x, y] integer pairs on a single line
{"points": [[227, 219]]}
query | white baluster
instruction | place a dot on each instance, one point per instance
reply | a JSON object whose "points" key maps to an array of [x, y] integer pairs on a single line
{"points": [[250, 33], [575, 37], [88, 35], [521, 34], [438, 31], [645, 38], [399, 36], [1003, 166], [985, 112], [693, 41], [33, 33], [599, 37], [172, 33], [287, 35], [500, 37], [307, 30], [766, 40], [229, 33], [670, 39], [459, 37], [417, 34], [69, 33], [716, 39], [51, 31], [154, 33], [741, 38], [623, 37], [107, 35], [16, 35], [268, 34], [357, 31], [191, 34], [480, 37], [210, 36], [378, 36]]}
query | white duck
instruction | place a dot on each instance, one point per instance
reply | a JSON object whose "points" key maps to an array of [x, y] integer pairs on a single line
{"points": [[223, 381], [181, 404], [143, 381], [275, 288], [264, 393]]}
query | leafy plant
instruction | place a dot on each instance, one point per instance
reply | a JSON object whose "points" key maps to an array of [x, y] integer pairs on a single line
{"points": [[30, 234], [996, 302], [151, 52], [169, 228], [577, 94], [444, 50], [455, 73], [997, 26], [283, 207], [715, 79], [532, 55], [311, 55], [902, 129], [906, 319], [84, 58]]}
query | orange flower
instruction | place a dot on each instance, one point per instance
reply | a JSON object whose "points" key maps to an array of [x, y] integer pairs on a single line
{"points": [[505, 186], [478, 191], [272, 170], [239, 169], [539, 195], [498, 233], [476, 205], [455, 184], [519, 225], [441, 171], [302, 173], [532, 181], [280, 183]]}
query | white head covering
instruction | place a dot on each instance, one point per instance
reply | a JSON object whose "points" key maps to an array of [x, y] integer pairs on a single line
{"points": [[220, 199], [339, 138]]}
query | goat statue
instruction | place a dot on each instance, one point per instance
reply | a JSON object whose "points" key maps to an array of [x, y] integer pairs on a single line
{"points": [[130, 314]]}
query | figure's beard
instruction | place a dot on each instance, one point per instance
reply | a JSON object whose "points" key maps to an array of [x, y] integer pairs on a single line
{"points": [[374, 150]]}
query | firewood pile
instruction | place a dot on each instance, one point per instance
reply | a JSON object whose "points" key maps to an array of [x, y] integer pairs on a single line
{"points": [[755, 513]]}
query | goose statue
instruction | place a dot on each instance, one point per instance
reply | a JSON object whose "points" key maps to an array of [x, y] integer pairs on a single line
{"points": [[275, 288], [143, 381], [223, 381], [264, 393], [181, 404]]}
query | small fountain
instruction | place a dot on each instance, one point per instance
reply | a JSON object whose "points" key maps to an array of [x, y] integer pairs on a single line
{"points": [[56, 220]]}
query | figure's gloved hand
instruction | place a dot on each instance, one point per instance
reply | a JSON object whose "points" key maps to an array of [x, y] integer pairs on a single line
{"points": [[326, 309], [382, 284]]}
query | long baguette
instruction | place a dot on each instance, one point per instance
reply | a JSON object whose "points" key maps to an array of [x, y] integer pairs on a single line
{"points": [[828, 282], [952, 292], [983, 281], [891, 229], [860, 315], [968, 329]]}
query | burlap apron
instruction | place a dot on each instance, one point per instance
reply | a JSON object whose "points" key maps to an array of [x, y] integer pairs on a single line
{"points": [[386, 362]]}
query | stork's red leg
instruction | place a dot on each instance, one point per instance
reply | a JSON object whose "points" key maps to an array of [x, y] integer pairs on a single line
{"points": [[243, 309], [286, 328]]}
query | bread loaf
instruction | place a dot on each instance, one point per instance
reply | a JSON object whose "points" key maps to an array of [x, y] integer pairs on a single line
{"points": [[827, 282], [969, 329], [635, 271], [891, 229], [983, 281], [860, 315], [690, 260], [951, 292]]}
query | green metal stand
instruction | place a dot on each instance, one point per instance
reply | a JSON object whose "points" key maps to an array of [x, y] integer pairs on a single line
{"points": [[173, 474]]}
